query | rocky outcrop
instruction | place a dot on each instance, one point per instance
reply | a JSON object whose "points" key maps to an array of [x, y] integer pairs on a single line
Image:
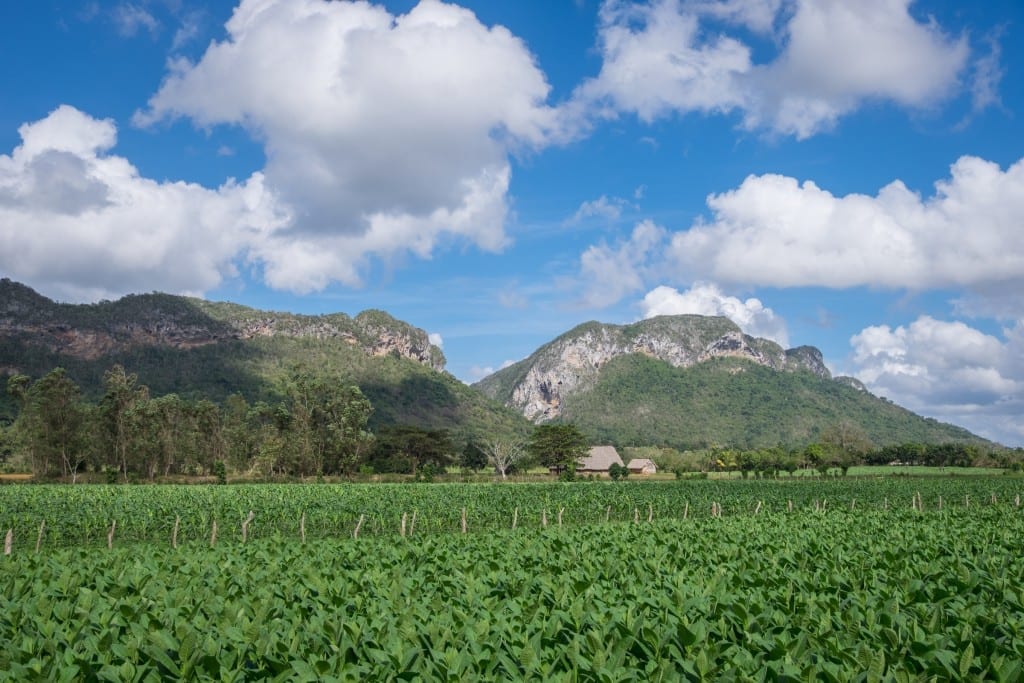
{"points": [[852, 382], [89, 332], [571, 363]]}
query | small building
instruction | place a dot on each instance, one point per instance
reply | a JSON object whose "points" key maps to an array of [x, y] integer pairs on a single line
{"points": [[599, 460], [642, 466]]}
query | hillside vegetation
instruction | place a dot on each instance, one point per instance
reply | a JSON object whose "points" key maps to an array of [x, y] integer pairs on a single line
{"points": [[734, 402], [211, 350]]}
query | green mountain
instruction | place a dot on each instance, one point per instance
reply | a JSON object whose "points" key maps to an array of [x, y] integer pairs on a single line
{"points": [[203, 349], [696, 381]]}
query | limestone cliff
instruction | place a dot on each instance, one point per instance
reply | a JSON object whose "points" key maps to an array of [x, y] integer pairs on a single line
{"points": [[572, 362], [89, 332]]}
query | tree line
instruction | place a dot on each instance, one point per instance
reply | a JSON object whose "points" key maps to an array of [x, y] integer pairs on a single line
{"points": [[839, 447], [320, 428]]}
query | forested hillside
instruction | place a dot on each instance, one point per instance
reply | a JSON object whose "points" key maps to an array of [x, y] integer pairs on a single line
{"points": [[737, 403], [216, 359]]}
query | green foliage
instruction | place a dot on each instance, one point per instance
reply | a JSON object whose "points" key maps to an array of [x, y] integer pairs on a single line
{"points": [[473, 457], [54, 423], [558, 446], [871, 593], [406, 449], [221, 472], [617, 471], [728, 401], [258, 368]]}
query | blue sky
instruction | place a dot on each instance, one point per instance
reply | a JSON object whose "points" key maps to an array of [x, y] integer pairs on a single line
{"points": [[842, 175]]}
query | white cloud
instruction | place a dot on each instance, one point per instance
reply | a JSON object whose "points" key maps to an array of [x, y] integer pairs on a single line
{"points": [[81, 224], [477, 373], [436, 339], [705, 298], [188, 30], [839, 54], [611, 272], [610, 209], [668, 57], [655, 62], [756, 15], [774, 231], [129, 19], [384, 134], [988, 74], [948, 370]]}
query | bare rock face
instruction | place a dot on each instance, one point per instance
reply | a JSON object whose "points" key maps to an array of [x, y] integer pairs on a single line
{"points": [[852, 382], [383, 335], [92, 331], [571, 363]]}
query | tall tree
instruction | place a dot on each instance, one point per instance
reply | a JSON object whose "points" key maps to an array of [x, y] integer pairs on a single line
{"points": [[405, 448], [121, 398], [54, 420], [847, 444], [503, 454], [327, 424], [558, 446]]}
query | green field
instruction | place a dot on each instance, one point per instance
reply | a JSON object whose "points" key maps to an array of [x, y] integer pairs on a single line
{"points": [[852, 583]]}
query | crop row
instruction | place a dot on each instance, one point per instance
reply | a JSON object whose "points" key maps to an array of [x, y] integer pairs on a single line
{"points": [[84, 515], [860, 594]]}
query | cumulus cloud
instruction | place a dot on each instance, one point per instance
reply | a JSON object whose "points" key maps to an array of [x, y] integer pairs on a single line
{"points": [[610, 272], [436, 339], [775, 231], [82, 224], [757, 15], [668, 57], [385, 134], [656, 61], [839, 54], [705, 298], [948, 370]]}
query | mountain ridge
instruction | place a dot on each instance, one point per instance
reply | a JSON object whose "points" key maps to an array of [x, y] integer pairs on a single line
{"points": [[694, 381], [90, 331], [202, 349], [572, 361]]}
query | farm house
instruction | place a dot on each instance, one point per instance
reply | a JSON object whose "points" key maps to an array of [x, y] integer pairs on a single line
{"points": [[599, 460], [642, 466]]}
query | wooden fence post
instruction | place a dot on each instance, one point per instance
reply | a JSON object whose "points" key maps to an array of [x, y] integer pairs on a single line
{"points": [[245, 526]]}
